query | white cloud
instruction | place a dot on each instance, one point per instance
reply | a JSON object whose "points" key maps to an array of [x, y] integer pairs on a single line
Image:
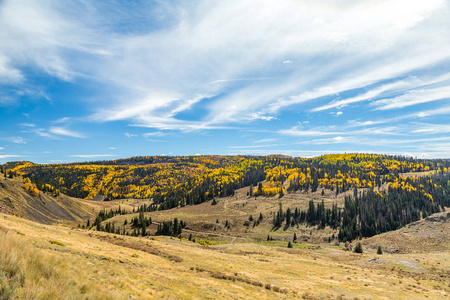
{"points": [[156, 133], [252, 146], [150, 77], [264, 141], [423, 115], [367, 96], [92, 155], [297, 131], [27, 124], [259, 116], [65, 132], [112, 148], [6, 156], [431, 128], [44, 133], [62, 120], [130, 135], [413, 97], [8, 74], [17, 140]]}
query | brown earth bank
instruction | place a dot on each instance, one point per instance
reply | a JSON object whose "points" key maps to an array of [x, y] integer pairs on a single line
{"points": [[43, 208]]}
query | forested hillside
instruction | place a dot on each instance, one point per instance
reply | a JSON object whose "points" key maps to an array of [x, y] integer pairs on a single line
{"points": [[193, 179], [382, 199]]}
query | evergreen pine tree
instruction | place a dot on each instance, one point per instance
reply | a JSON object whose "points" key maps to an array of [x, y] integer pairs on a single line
{"points": [[358, 248], [379, 250], [143, 231]]}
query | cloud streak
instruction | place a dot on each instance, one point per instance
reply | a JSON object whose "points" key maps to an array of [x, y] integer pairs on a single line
{"points": [[161, 73], [350, 69], [88, 156], [65, 132]]}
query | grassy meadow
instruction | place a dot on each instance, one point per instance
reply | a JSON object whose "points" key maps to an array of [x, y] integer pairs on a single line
{"points": [[59, 262]]}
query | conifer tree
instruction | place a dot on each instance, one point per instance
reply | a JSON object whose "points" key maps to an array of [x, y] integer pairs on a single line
{"points": [[379, 250], [358, 248]]}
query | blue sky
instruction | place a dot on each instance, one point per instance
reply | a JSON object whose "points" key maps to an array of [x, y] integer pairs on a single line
{"points": [[95, 80]]}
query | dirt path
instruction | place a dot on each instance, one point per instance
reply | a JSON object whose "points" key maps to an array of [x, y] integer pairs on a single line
{"points": [[225, 206]]}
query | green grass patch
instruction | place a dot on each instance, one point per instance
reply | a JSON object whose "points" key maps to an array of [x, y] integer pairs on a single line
{"points": [[56, 243]]}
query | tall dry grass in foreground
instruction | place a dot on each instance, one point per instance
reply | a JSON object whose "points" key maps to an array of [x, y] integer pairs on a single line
{"points": [[29, 273]]}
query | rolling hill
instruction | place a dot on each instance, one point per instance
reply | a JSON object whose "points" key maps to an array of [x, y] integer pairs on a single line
{"points": [[226, 227]]}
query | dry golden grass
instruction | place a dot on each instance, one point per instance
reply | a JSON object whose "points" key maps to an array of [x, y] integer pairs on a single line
{"points": [[102, 265], [30, 273]]}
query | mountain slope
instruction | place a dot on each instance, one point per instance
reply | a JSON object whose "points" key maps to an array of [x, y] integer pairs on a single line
{"points": [[41, 207], [429, 234]]}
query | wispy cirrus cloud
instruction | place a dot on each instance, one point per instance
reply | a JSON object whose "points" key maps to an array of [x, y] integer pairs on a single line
{"points": [[253, 65], [88, 156], [158, 73], [17, 140], [264, 141], [62, 131], [413, 98], [130, 135], [7, 156], [28, 124], [367, 95]]}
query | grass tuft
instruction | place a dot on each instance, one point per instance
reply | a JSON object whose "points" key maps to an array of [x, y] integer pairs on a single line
{"points": [[57, 243]]}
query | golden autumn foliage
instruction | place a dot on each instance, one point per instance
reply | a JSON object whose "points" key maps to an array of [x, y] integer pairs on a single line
{"points": [[214, 175], [33, 190]]}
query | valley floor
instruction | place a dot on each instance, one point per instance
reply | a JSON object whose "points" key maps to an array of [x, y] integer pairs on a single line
{"points": [[53, 261]]}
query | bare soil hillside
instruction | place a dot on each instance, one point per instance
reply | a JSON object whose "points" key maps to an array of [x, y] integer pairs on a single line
{"points": [[43, 208], [429, 234]]}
